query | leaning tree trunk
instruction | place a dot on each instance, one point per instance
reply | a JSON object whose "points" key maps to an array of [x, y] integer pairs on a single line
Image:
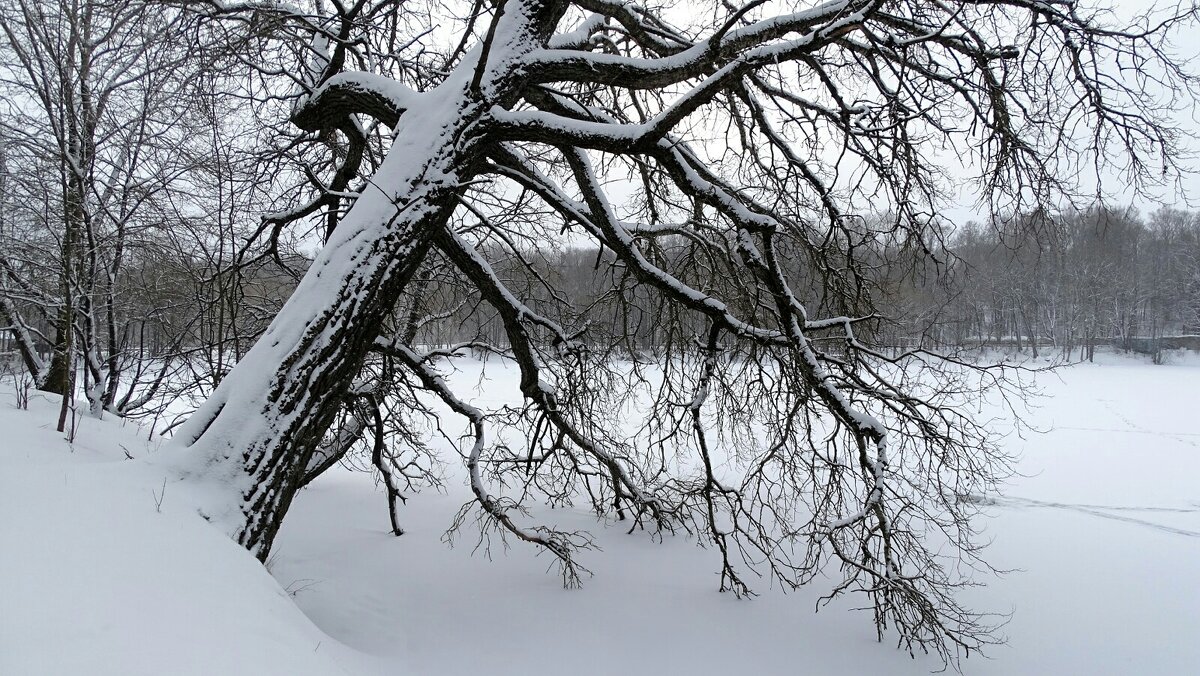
{"points": [[255, 436]]}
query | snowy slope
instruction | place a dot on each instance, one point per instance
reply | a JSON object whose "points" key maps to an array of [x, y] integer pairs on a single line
{"points": [[95, 579]]}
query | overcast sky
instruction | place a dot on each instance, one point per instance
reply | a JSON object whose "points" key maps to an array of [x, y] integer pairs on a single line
{"points": [[1182, 193]]}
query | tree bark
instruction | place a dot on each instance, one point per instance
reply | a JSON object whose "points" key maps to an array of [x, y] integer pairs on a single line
{"points": [[255, 436]]}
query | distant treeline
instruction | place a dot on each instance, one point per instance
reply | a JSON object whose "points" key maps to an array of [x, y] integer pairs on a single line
{"points": [[1073, 281], [1061, 282]]}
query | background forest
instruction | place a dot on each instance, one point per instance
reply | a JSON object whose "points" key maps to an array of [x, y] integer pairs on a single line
{"points": [[169, 298]]}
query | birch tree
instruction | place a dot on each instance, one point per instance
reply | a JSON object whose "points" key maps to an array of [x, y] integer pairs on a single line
{"points": [[724, 159]]}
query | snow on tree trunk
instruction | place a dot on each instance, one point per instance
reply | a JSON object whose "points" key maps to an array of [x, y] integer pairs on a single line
{"points": [[255, 435], [252, 441]]}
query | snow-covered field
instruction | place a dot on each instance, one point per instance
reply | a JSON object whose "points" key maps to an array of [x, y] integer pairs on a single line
{"points": [[104, 570]]}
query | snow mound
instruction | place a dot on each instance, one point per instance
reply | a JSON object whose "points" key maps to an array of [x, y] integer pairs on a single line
{"points": [[104, 572]]}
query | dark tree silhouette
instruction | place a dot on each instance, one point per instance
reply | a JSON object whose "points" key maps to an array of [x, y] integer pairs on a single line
{"points": [[724, 163]]}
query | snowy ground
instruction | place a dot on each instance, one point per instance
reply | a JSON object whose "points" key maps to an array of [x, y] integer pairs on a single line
{"points": [[98, 577]]}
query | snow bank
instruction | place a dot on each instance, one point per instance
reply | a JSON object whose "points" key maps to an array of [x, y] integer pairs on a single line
{"points": [[106, 571]]}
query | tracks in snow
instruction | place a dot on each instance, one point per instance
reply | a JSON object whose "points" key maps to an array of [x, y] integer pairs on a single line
{"points": [[1189, 438], [1114, 512]]}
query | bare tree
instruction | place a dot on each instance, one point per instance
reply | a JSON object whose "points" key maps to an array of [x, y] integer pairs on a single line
{"points": [[723, 163], [95, 113]]}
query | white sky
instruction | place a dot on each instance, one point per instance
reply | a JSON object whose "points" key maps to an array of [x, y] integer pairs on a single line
{"points": [[1184, 192]]}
